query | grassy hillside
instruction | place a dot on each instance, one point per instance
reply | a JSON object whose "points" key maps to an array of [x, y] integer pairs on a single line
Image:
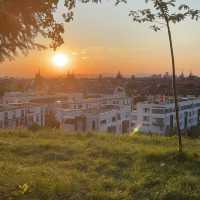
{"points": [[52, 165]]}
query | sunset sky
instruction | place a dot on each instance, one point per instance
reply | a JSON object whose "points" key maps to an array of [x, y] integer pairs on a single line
{"points": [[102, 39]]}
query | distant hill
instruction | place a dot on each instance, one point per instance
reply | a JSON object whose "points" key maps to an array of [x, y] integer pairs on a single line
{"points": [[50, 165]]}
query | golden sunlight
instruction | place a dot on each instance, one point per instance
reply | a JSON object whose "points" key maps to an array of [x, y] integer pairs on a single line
{"points": [[61, 60]]}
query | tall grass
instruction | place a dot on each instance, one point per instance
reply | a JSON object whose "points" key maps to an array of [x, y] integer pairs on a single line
{"points": [[50, 164]]}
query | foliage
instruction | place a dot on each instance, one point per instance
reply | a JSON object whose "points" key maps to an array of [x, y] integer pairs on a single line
{"points": [[194, 132], [22, 21], [51, 121], [52, 165], [163, 13], [34, 127]]}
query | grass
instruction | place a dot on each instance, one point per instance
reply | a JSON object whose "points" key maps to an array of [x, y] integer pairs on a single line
{"points": [[52, 165]]}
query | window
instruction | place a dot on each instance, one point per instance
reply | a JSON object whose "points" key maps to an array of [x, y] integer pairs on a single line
{"points": [[125, 102], [113, 119], [146, 118], [168, 110], [158, 122], [158, 111], [185, 107], [93, 125], [103, 122], [145, 125], [5, 115], [133, 124], [146, 110], [22, 113], [14, 115], [197, 105], [118, 116]]}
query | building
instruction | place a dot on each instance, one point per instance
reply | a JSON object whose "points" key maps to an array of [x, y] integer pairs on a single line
{"points": [[105, 119], [73, 111], [21, 115], [39, 83], [158, 116], [17, 97], [118, 97], [97, 113]]}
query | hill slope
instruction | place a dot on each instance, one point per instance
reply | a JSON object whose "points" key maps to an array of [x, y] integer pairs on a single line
{"points": [[52, 165]]}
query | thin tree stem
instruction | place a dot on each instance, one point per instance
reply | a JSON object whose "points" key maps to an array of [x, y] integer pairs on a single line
{"points": [[174, 87], [165, 15]]}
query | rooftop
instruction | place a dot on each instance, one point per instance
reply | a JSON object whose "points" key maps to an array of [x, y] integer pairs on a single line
{"points": [[162, 100], [15, 106]]}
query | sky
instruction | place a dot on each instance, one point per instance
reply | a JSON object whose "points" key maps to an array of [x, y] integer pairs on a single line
{"points": [[102, 39]]}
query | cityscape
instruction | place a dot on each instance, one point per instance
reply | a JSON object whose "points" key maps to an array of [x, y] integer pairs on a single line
{"points": [[103, 104], [99, 100]]}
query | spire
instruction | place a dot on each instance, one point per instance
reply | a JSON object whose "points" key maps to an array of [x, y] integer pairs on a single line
{"points": [[119, 75]]}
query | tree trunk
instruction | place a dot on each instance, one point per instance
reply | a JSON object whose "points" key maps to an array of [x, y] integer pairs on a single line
{"points": [[174, 87]]}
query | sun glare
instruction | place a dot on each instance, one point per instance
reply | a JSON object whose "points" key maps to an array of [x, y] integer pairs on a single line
{"points": [[60, 60]]}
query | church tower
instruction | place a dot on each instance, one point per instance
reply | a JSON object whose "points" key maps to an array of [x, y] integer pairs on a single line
{"points": [[39, 82]]}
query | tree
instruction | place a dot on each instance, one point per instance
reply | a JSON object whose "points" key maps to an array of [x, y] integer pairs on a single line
{"points": [[51, 121], [162, 15], [21, 21]]}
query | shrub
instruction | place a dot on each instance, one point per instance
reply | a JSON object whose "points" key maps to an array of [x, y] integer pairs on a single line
{"points": [[34, 127]]}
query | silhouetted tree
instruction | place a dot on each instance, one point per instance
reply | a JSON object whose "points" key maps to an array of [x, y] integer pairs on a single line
{"points": [[21, 21], [163, 14]]}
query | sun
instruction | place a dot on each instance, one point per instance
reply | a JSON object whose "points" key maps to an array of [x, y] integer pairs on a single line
{"points": [[61, 60]]}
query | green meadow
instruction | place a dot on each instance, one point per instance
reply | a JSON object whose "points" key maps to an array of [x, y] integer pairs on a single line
{"points": [[52, 165]]}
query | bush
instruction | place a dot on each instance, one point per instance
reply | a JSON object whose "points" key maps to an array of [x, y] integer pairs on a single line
{"points": [[194, 132], [34, 127], [51, 121]]}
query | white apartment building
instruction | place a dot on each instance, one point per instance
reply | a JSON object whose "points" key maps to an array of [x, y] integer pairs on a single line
{"points": [[118, 98], [106, 119], [21, 115], [24, 97], [74, 111], [17, 97], [97, 113], [159, 116]]}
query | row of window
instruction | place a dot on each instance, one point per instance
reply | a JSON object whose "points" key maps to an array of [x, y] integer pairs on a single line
{"points": [[115, 102], [114, 119], [14, 114], [169, 110]]}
